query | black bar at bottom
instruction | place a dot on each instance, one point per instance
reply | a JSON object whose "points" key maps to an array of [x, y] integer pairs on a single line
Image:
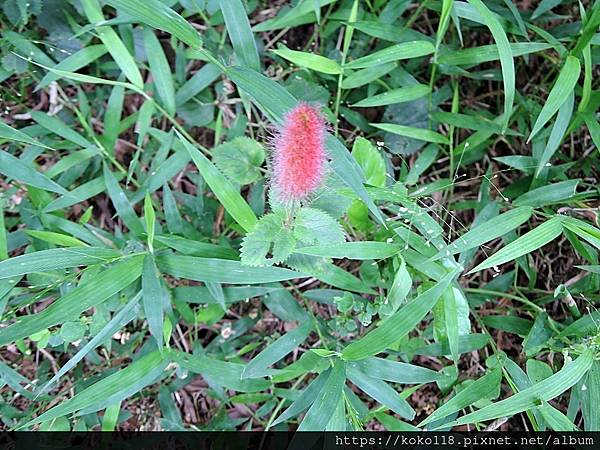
{"points": [[296, 441]]}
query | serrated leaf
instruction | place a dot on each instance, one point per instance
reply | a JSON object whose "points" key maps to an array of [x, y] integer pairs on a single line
{"points": [[270, 236]]}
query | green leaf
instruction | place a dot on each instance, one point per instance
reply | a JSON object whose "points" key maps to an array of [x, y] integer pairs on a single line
{"points": [[90, 293], [153, 294], [119, 320], [533, 396], [305, 399], [302, 13], [494, 228], [122, 204], [558, 131], [240, 159], [366, 76], [74, 62], [12, 167], [548, 195], [158, 15], [7, 132], [309, 60], [227, 194], [398, 325], [326, 400], [506, 57], [382, 392], [534, 239], [56, 238], [221, 270], [238, 28], [562, 89], [199, 81], [161, 72], [277, 350], [371, 161], [485, 53], [55, 259], [421, 134], [483, 387], [224, 373], [57, 126], [352, 250], [405, 50], [113, 43], [393, 96], [397, 372], [111, 389], [270, 236]]}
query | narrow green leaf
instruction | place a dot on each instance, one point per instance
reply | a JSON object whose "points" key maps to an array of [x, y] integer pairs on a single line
{"points": [[121, 203], [326, 400], [398, 325], [224, 373], [494, 228], [111, 389], [533, 396], [381, 392], [153, 294], [305, 399], [74, 62], [90, 293], [119, 320], [506, 58], [113, 43], [534, 239], [548, 195], [161, 72], [405, 50], [55, 259], [400, 95], [7, 132], [562, 89], [311, 61], [421, 134], [227, 194], [238, 28], [397, 372], [158, 15], [558, 131], [352, 250], [481, 388], [12, 167], [277, 350], [221, 270]]}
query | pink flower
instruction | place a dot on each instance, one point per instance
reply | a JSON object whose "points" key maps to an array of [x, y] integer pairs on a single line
{"points": [[299, 155]]}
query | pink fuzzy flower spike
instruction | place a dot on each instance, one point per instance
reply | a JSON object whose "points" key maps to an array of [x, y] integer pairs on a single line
{"points": [[299, 153]]}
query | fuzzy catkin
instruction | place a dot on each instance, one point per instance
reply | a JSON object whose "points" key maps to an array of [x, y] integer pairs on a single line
{"points": [[299, 155]]}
